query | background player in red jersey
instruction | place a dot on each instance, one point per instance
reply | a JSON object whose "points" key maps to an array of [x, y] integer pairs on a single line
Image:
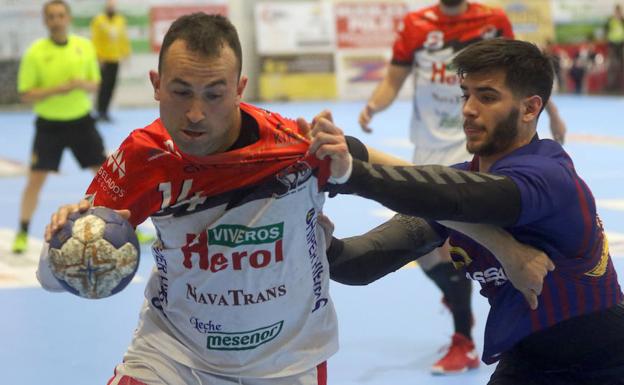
{"points": [[428, 41], [528, 186]]}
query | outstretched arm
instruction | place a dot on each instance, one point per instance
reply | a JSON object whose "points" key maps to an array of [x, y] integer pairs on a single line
{"points": [[431, 192], [384, 93], [364, 259], [525, 266]]}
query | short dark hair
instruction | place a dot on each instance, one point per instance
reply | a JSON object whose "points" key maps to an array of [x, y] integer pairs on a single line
{"points": [[528, 71], [56, 2], [203, 33]]}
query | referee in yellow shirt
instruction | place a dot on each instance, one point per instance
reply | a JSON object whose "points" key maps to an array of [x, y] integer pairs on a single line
{"points": [[56, 74], [110, 38]]}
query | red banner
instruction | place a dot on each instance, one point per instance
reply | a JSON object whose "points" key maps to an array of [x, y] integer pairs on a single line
{"points": [[368, 25]]}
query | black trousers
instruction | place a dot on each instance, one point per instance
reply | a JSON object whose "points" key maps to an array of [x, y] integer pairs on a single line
{"points": [[585, 350], [109, 79]]}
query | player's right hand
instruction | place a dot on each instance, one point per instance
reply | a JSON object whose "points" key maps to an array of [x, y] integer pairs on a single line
{"points": [[365, 117], [59, 218], [328, 141]]}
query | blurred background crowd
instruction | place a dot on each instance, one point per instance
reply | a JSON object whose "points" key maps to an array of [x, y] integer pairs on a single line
{"points": [[311, 49]]}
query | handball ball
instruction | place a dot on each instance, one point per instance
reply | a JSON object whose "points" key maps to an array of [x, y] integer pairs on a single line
{"points": [[95, 254]]}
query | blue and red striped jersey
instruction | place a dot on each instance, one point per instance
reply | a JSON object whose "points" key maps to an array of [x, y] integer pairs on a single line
{"points": [[558, 216]]}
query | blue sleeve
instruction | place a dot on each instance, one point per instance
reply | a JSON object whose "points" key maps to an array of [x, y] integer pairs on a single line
{"points": [[546, 186]]}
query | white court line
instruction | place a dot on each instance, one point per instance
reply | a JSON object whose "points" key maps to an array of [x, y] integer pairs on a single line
{"points": [[611, 204], [10, 168]]}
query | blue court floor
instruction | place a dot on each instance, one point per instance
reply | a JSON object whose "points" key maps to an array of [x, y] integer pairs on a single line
{"points": [[390, 331]]}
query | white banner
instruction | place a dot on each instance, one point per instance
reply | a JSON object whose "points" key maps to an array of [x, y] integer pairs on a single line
{"points": [[568, 11], [297, 27]]}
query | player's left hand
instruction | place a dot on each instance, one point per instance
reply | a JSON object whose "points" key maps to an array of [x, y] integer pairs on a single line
{"points": [[328, 140], [526, 267], [328, 227], [59, 217]]}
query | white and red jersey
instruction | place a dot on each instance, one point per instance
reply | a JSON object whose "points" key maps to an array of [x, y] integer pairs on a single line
{"points": [[428, 40], [241, 281]]}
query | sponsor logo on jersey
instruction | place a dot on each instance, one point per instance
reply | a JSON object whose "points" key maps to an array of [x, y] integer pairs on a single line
{"points": [[234, 297], [315, 261], [492, 274], [603, 263], [237, 235], [460, 257], [243, 340], [163, 281], [233, 236], [108, 184], [117, 164], [294, 176], [205, 327], [439, 74]]}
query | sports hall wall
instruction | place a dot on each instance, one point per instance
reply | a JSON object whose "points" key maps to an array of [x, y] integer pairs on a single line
{"points": [[293, 49]]}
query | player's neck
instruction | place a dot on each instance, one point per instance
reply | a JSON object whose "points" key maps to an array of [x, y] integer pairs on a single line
{"points": [[59, 38], [486, 162], [454, 11], [234, 132]]}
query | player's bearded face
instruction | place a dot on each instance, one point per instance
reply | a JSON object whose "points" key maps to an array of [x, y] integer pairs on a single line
{"points": [[491, 113], [498, 138], [199, 98]]}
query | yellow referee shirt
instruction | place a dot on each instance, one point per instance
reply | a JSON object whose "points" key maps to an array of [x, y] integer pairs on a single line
{"points": [[47, 64]]}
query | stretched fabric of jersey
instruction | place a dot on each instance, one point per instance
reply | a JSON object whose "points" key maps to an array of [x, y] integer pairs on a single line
{"points": [[240, 285]]}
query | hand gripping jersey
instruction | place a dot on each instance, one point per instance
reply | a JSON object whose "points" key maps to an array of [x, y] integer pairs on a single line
{"points": [[240, 286], [429, 40], [559, 217]]}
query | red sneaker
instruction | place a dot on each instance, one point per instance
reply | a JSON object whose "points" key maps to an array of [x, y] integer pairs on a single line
{"points": [[461, 356]]}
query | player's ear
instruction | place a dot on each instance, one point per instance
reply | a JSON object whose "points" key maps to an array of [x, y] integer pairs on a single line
{"points": [[155, 80], [531, 108], [242, 83]]}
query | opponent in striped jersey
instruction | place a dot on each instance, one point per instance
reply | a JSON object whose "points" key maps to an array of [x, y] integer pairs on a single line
{"points": [[531, 188], [425, 45]]}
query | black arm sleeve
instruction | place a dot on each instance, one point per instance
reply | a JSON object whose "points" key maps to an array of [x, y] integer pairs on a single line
{"points": [[363, 259], [437, 192], [357, 149]]}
